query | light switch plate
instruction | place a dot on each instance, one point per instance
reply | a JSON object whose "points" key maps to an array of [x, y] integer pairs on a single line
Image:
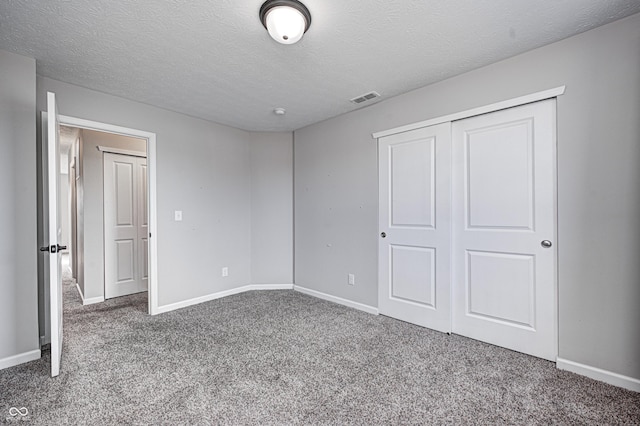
{"points": [[177, 215]]}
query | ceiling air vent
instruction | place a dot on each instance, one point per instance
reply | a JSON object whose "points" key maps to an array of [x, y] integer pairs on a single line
{"points": [[366, 97]]}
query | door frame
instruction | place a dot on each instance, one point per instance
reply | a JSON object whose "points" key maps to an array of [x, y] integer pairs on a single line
{"points": [[73, 211], [497, 106], [152, 188]]}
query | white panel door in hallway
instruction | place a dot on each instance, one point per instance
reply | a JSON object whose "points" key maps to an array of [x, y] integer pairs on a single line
{"points": [[414, 249], [504, 233], [125, 224]]}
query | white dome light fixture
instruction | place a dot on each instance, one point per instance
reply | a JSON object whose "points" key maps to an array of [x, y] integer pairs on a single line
{"points": [[286, 20]]}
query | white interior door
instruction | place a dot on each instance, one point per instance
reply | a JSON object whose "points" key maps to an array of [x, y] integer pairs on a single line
{"points": [[125, 225], [55, 233], [414, 243], [504, 253]]}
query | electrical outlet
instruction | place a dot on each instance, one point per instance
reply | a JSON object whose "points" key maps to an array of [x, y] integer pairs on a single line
{"points": [[352, 279], [225, 271]]}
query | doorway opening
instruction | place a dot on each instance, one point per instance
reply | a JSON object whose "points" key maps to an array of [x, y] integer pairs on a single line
{"points": [[106, 228], [98, 140]]}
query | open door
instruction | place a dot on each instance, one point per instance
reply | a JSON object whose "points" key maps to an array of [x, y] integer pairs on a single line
{"points": [[55, 269]]}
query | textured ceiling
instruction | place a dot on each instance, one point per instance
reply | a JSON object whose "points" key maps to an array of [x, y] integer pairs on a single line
{"points": [[214, 60]]}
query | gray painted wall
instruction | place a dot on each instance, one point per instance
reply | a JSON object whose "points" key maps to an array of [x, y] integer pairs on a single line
{"points": [[271, 208], [92, 180], [203, 169], [598, 185], [19, 251]]}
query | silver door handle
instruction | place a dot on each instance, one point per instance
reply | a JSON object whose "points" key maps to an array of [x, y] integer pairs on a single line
{"points": [[546, 243]]}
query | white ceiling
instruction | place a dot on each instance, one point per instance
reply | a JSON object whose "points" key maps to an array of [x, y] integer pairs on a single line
{"points": [[214, 60]]}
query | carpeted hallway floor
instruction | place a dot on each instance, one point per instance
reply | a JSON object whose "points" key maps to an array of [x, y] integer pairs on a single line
{"points": [[280, 357]]}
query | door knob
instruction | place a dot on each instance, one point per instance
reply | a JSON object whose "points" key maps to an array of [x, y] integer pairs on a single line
{"points": [[53, 249], [383, 234], [546, 243]]}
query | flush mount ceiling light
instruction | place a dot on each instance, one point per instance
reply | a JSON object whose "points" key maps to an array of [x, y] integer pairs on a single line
{"points": [[286, 20]]}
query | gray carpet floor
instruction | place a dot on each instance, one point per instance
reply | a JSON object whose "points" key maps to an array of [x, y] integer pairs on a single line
{"points": [[281, 357]]}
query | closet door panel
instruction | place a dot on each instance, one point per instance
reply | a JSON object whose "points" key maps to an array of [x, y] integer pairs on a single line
{"points": [[414, 242], [504, 232]]}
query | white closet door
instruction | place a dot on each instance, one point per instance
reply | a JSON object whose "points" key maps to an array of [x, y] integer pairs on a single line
{"points": [[414, 226], [124, 244], [504, 234]]}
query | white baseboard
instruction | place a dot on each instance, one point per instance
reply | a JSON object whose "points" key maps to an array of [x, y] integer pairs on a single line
{"points": [[220, 294], [599, 374], [90, 300], [206, 298], [79, 292], [20, 358], [336, 299], [271, 286]]}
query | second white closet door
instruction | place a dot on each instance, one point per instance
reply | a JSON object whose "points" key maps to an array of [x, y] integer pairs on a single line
{"points": [[503, 247]]}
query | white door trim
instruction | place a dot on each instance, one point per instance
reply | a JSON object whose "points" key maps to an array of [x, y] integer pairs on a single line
{"points": [[509, 103], [151, 171], [112, 150]]}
